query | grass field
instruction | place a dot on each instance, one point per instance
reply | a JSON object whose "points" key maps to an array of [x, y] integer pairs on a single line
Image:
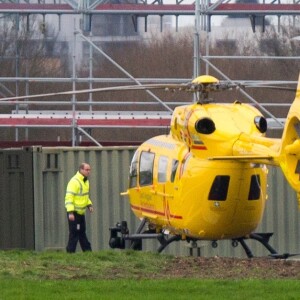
{"points": [[140, 275], [149, 289]]}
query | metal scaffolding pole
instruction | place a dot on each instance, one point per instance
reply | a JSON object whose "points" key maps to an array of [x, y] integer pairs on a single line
{"points": [[123, 70], [202, 10]]}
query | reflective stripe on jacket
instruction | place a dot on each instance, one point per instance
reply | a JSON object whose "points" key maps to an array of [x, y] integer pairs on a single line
{"points": [[77, 194]]}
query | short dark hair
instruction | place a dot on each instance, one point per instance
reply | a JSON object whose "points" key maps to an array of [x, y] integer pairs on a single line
{"points": [[82, 165]]}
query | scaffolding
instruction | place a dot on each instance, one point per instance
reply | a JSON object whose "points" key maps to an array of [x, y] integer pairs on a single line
{"points": [[82, 121]]}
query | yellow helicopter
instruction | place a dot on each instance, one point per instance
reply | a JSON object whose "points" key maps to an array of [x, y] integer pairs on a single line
{"points": [[207, 178]]}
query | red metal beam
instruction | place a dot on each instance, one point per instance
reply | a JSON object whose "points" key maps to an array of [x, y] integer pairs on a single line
{"points": [[257, 7], [23, 7], [249, 8], [147, 7], [28, 121], [18, 144], [175, 9], [123, 123]]}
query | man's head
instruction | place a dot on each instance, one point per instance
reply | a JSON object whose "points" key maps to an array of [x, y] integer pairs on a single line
{"points": [[85, 169]]}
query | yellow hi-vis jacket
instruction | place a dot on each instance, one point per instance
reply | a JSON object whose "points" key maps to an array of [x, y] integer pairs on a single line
{"points": [[77, 194]]}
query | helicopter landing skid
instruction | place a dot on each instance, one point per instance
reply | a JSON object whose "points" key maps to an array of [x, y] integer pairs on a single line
{"points": [[263, 238], [121, 239]]}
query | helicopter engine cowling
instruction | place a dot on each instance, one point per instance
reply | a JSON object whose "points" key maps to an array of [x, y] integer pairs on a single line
{"points": [[215, 129]]}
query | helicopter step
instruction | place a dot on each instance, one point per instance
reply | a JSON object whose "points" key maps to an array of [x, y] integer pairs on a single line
{"points": [[121, 239]]}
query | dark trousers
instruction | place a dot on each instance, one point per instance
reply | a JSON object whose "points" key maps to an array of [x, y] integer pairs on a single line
{"points": [[77, 233]]}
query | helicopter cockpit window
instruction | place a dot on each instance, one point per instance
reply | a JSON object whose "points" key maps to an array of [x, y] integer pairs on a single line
{"points": [[174, 169], [146, 168], [133, 170], [254, 192], [219, 188], [162, 169]]}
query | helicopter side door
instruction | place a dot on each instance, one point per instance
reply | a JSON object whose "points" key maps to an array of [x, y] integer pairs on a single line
{"points": [[145, 183], [162, 195], [141, 184]]}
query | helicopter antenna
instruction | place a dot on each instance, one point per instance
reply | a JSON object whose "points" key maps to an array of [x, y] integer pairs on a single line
{"points": [[167, 129]]}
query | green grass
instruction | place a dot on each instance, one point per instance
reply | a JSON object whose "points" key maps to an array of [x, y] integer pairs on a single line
{"points": [[149, 289], [122, 275], [89, 265]]}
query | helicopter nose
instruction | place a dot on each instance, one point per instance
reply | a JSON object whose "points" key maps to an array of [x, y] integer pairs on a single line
{"points": [[205, 126]]}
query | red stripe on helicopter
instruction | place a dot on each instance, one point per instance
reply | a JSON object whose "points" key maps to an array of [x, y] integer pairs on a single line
{"points": [[151, 211], [176, 217], [199, 147]]}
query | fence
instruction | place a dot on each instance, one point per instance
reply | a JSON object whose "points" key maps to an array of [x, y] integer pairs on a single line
{"points": [[32, 189]]}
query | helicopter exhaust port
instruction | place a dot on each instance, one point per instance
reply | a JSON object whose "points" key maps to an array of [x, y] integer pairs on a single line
{"points": [[261, 124], [205, 126]]}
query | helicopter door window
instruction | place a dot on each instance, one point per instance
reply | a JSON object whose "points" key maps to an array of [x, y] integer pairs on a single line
{"points": [[146, 168], [174, 169], [133, 170], [162, 169], [219, 188], [254, 192]]}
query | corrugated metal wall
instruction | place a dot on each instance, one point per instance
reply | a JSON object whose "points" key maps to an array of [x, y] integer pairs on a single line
{"points": [[53, 167], [16, 199]]}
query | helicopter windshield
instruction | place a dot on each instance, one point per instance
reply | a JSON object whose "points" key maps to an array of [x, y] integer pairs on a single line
{"points": [[133, 170]]}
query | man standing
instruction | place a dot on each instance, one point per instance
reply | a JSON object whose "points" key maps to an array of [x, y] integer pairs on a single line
{"points": [[76, 201]]}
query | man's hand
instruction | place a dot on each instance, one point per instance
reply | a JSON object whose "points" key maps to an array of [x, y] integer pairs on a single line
{"points": [[91, 209], [71, 217]]}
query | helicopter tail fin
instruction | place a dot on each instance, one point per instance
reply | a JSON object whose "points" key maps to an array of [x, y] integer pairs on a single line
{"points": [[289, 158]]}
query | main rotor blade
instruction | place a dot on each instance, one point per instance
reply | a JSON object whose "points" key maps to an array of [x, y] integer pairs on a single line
{"points": [[188, 87], [106, 89], [272, 87]]}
